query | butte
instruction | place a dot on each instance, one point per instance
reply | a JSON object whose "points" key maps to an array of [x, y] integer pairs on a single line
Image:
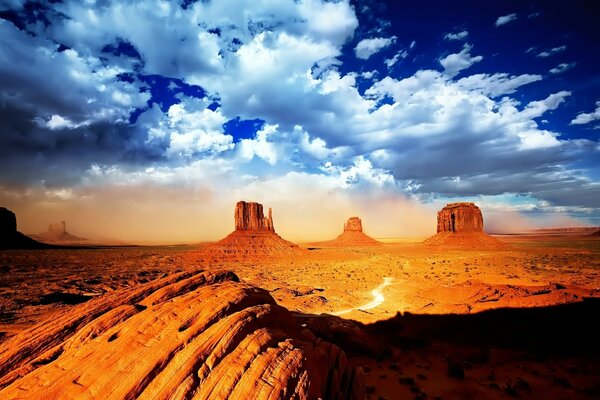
{"points": [[353, 235], [254, 235], [460, 225], [57, 233], [10, 237]]}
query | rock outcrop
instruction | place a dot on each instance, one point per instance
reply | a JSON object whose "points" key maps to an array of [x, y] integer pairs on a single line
{"points": [[254, 235], [201, 335], [249, 217], [460, 225], [57, 233], [353, 235], [460, 217], [10, 238]]}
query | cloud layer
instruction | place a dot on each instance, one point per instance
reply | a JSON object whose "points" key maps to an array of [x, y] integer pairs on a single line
{"points": [[130, 104]]}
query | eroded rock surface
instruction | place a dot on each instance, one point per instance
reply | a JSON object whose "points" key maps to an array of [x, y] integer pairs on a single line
{"points": [[460, 225], [460, 217], [249, 216], [200, 335]]}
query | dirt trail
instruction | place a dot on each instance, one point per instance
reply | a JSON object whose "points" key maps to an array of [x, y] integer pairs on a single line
{"points": [[378, 298]]}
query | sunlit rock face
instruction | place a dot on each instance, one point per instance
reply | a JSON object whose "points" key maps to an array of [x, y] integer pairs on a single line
{"points": [[254, 235], [460, 225], [201, 335], [460, 217], [354, 224], [249, 216]]}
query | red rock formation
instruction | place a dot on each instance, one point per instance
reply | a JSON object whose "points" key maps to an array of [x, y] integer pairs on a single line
{"points": [[353, 235], [254, 235], [249, 216], [460, 217], [354, 224], [192, 334], [460, 225]]}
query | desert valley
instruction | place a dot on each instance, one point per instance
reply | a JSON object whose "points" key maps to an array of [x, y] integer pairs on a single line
{"points": [[299, 200], [459, 315]]}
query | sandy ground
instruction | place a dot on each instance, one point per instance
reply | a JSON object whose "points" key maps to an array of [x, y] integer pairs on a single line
{"points": [[371, 285]]}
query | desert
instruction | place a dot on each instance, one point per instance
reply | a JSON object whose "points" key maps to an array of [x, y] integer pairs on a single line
{"points": [[412, 319], [299, 200]]}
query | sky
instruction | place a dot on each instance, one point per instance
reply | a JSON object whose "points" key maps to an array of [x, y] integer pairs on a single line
{"points": [[148, 120]]}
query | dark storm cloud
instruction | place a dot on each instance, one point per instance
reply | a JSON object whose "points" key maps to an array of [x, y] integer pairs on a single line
{"points": [[30, 154]]}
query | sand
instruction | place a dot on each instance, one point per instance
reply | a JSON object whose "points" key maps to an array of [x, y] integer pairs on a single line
{"points": [[371, 286]]}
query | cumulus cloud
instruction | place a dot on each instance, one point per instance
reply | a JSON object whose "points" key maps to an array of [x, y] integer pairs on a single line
{"points": [[325, 130], [456, 62], [456, 35], [562, 67], [586, 118], [367, 47], [505, 19]]}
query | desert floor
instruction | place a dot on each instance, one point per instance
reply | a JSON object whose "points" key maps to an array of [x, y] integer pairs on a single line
{"points": [[421, 322]]}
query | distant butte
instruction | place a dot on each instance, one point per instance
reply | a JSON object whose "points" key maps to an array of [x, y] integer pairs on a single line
{"points": [[57, 233], [254, 234], [10, 237], [461, 225], [353, 235]]}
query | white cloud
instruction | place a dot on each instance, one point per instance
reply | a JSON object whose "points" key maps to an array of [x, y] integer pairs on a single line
{"points": [[191, 129], [496, 84], [586, 118], [367, 47], [456, 35], [562, 67], [552, 51], [505, 19], [454, 63], [260, 146], [390, 62]]}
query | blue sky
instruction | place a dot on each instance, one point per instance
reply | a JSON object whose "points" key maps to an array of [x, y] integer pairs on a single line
{"points": [[406, 104]]}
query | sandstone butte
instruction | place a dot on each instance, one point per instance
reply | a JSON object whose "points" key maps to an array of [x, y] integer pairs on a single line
{"points": [[460, 225], [254, 234], [10, 237], [200, 335], [57, 233], [353, 235]]}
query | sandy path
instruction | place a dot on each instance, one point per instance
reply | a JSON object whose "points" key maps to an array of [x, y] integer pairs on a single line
{"points": [[378, 298]]}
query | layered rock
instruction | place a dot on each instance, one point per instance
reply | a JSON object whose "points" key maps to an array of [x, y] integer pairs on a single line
{"points": [[460, 225], [249, 216], [460, 217], [193, 334], [10, 238], [353, 235], [254, 235], [57, 233]]}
